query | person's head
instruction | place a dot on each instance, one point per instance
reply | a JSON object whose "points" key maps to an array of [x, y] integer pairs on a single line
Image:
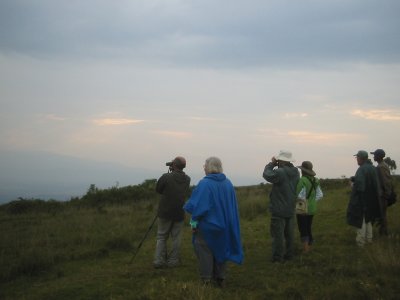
{"points": [[379, 154], [362, 157], [284, 158], [213, 165], [178, 163], [307, 168]]}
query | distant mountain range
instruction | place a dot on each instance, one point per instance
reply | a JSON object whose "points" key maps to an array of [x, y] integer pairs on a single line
{"points": [[49, 176]]}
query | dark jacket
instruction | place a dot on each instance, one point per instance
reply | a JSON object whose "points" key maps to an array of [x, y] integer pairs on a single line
{"points": [[283, 193], [174, 188], [364, 199]]}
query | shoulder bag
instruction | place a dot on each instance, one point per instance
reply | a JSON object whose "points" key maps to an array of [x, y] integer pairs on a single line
{"points": [[301, 202]]}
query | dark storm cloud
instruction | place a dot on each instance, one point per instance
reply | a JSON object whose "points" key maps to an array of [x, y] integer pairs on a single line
{"points": [[206, 33]]}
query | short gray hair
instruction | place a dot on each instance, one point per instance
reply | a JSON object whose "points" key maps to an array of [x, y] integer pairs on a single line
{"points": [[213, 165]]}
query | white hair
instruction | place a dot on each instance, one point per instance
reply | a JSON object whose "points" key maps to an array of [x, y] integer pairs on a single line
{"points": [[213, 165]]}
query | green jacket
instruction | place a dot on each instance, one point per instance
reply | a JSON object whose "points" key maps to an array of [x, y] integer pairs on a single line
{"points": [[306, 181], [283, 193]]}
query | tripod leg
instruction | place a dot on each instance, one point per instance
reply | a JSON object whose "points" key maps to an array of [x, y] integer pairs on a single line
{"points": [[141, 242]]}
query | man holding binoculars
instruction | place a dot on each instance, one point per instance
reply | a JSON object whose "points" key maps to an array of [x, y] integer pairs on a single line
{"points": [[174, 189]]}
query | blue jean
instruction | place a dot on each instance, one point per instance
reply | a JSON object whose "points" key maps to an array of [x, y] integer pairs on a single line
{"points": [[165, 229]]}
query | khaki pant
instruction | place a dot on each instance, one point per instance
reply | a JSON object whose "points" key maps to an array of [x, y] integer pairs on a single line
{"points": [[165, 229], [364, 234]]}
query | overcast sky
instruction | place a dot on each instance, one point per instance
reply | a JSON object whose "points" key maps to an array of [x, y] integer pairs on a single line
{"points": [[137, 83]]}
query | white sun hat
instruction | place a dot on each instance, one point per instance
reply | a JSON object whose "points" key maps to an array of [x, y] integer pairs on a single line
{"points": [[285, 156]]}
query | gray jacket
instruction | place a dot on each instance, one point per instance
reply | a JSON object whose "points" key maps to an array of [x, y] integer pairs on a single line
{"points": [[283, 193]]}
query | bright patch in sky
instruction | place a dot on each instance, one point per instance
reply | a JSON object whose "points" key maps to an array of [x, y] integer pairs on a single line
{"points": [[112, 122], [378, 115]]}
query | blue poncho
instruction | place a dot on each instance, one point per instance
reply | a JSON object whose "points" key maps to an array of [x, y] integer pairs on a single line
{"points": [[213, 205]]}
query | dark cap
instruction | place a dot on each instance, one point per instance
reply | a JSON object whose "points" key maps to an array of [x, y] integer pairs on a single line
{"points": [[379, 153], [362, 154]]}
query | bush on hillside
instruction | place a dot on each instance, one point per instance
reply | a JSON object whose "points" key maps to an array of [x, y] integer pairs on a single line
{"points": [[32, 205], [120, 195]]}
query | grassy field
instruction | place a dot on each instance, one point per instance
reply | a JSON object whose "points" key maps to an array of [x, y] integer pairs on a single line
{"points": [[84, 252]]}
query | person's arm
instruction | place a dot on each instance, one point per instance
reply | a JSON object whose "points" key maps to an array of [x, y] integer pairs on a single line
{"points": [[318, 193], [199, 203], [269, 173], [161, 183]]}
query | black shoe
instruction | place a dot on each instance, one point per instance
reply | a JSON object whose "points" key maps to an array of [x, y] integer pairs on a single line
{"points": [[277, 260], [288, 257], [219, 282]]}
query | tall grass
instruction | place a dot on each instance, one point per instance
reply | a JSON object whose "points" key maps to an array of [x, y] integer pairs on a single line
{"points": [[83, 252], [34, 242]]}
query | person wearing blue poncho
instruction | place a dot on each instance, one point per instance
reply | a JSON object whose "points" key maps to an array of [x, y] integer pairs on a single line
{"points": [[215, 223]]}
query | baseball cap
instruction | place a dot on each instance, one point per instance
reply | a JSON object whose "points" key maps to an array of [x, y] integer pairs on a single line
{"points": [[379, 153], [362, 154]]}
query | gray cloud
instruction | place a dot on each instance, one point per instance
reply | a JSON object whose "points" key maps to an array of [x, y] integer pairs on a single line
{"points": [[205, 33]]}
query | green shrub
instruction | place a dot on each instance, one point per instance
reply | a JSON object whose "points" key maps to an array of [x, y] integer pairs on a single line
{"points": [[22, 206]]}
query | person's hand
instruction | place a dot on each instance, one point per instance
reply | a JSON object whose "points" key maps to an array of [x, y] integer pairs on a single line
{"points": [[193, 225], [351, 181], [274, 161]]}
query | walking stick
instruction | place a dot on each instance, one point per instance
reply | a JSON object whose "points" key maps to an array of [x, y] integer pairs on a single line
{"points": [[141, 242]]}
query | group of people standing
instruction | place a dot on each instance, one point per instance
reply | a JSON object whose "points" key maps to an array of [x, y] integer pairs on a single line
{"points": [[215, 218], [372, 188]]}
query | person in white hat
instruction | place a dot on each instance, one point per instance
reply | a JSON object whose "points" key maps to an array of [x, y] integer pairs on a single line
{"points": [[284, 177]]}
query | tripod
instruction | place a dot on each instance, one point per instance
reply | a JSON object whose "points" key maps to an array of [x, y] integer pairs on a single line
{"points": [[144, 237]]}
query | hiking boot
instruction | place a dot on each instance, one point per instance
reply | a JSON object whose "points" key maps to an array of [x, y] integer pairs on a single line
{"points": [[159, 266], [306, 247]]}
